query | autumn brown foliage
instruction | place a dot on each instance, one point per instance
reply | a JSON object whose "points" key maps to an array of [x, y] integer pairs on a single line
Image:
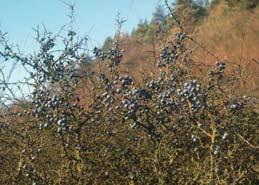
{"points": [[96, 124]]}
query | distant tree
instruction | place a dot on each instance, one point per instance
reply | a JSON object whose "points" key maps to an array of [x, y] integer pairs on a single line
{"points": [[107, 43], [140, 32], [159, 15], [190, 10], [248, 4], [202, 3], [184, 2], [158, 23]]}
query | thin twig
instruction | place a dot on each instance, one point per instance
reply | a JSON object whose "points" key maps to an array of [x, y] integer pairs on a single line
{"points": [[247, 142]]}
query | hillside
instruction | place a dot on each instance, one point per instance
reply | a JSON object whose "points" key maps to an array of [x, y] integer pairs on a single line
{"points": [[233, 35], [170, 103], [229, 34]]}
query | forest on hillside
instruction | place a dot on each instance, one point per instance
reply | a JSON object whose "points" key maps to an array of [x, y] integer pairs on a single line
{"points": [[175, 101]]}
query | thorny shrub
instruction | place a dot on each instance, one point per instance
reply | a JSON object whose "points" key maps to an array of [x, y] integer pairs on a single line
{"points": [[179, 128]]}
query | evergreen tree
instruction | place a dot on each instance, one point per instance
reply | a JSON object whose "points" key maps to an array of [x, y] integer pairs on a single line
{"points": [[107, 43], [202, 3], [159, 15], [140, 32], [248, 4], [190, 10], [158, 23]]}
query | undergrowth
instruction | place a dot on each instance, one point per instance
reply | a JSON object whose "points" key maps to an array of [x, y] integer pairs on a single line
{"points": [[176, 128]]}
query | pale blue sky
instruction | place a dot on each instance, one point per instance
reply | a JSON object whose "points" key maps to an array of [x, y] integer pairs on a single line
{"points": [[93, 17]]}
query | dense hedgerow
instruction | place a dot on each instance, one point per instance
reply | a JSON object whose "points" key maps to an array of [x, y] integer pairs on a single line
{"points": [[178, 128]]}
